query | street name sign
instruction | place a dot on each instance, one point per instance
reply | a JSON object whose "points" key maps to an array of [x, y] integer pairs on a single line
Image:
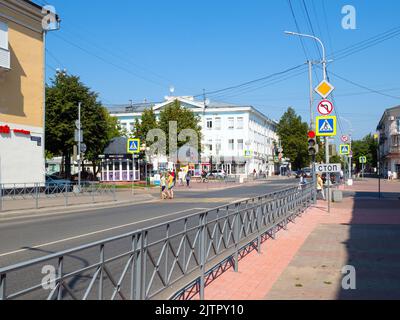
{"points": [[324, 89], [345, 149], [133, 146], [326, 126], [325, 107], [328, 168]]}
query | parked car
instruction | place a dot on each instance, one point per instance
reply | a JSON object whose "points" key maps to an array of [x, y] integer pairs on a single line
{"points": [[217, 174], [307, 172], [54, 182]]}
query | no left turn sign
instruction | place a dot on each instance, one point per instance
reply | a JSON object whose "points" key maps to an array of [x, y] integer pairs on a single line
{"points": [[325, 107]]}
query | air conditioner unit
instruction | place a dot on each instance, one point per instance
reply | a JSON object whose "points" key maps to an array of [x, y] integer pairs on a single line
{"points": [[4, 60], [391, 118]]}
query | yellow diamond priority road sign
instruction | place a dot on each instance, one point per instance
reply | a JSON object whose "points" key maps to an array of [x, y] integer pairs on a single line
{"points": [[324, 89]]}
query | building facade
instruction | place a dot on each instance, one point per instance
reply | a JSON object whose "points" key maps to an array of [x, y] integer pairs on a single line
{"points": [[389, 141], [22, 92], [236, 139]]}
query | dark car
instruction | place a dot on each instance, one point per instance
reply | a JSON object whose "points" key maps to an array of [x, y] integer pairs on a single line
{"points": [[55, 183]]}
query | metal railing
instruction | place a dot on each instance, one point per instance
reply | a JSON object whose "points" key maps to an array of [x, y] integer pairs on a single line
{"points": [[159, 261], [40, 191]]}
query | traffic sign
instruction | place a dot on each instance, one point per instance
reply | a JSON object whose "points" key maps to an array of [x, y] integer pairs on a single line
{"points": [[326, 126], [325, 107], [328, 168], [345, 139], [83, 148], [248, 154], [133, 146], [345, 149], [324, 89], [363, 160]]}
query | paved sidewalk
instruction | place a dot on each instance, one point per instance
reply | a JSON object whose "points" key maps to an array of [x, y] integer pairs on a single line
{"points": [[306, 261]]}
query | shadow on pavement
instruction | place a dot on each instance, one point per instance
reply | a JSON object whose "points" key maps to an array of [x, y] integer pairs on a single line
{"points": [[373, 247]]}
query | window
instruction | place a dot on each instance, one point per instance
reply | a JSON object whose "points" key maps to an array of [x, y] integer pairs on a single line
{"points": [[231, 144], [3, 35], [217, 123], [231, 123], [218, 146], [209, 123], [240, 123], [210, 145], [131, 126], [398, 125], [240, 144]]}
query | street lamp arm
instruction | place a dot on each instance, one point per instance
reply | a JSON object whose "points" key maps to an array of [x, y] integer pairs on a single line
{"points": [[324, 62]]}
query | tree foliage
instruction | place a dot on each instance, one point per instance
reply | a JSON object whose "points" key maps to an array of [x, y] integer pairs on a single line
{"points": [[62, 98], [185, 119], [367, 147], [293, 134]]}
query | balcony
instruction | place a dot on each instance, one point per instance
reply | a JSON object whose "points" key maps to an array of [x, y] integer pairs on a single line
{"points": [[4, 60]]}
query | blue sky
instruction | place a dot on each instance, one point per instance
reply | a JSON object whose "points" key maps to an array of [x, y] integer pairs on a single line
{"points": [[136, 50]]}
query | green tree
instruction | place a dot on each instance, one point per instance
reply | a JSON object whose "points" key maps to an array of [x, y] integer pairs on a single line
{"points": [[293, 134], [185, 119], [62, 98], [367, 147], [148, 122]]}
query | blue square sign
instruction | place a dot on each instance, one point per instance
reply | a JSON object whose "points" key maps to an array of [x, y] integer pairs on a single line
{"points": [[326, 126], [133, 146]]}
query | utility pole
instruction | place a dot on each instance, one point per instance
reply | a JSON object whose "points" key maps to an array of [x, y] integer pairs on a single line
{"points": [[79, 145]]}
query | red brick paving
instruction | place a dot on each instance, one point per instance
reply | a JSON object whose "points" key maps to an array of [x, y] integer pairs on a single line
{"points": [[259, 272]]}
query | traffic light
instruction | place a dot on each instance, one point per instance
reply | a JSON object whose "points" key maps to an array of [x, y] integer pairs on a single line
{"points": [[312, 146]]}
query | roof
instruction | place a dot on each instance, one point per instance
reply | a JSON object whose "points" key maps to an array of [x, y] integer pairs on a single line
{"points": [[33, 4], [141, 107], [117, 146], [397, 108]]}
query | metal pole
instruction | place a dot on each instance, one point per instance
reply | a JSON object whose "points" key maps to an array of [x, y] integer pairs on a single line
{"points": [[311, 95], [79, 146], [328, 176]]}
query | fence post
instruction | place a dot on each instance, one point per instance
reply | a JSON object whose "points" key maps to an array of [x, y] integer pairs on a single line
{"points": [[202, 256], [138, 266], [133, 266], [37, 195], [101, 272], [3, 287], [237, 235], [92, 193], [114, 193], [1, 197], [60, 275]]}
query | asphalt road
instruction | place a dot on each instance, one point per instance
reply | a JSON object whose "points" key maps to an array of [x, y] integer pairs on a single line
{"points": [[28, 238]]}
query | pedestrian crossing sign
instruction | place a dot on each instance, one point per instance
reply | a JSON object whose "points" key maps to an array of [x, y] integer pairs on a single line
{"points": [[345, 149], [133, 146], [326, 126]]}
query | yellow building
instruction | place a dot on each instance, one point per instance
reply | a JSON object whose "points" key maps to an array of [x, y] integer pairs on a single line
{"points": [[22, 92]]}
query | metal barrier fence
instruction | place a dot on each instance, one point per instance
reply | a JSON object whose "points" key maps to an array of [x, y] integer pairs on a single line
{"points": [[38, 191], [159, 261]]}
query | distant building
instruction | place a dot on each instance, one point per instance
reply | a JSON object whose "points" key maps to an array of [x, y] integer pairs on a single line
{"points": [[389, 141], [237, 139], [22, 92]]}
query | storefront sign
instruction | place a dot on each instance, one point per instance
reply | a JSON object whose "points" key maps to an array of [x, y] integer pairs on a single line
{"points": [[5, 130], [24, 132]]}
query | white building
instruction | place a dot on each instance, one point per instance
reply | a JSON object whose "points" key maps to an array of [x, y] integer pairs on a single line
{"points": [[389, 145], [238, 139]]}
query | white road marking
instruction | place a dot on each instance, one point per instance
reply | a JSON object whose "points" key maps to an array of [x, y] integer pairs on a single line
{"points": [[100, 231]]}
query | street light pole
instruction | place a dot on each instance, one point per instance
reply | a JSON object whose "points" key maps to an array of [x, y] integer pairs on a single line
{"points": [[79, 146], [324, 63]]}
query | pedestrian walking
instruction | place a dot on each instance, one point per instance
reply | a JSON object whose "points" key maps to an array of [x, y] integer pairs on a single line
{"points": [[188, 179], [171, 185], [320, 186], [163, 183]]}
